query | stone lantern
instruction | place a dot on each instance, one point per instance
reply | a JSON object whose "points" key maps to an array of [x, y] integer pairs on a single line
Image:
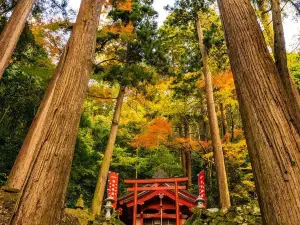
{"points": [[108, 207], [200, 202]]}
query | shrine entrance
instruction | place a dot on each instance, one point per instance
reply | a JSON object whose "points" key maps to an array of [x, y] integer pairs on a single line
{"points": [[156, 202], [158, 222]]}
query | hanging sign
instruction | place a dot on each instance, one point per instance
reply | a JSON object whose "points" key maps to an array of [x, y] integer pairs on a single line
{"points": [[201, 184], [113, 184]]}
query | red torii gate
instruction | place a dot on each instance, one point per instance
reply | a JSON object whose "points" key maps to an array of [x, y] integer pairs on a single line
{"points": [[137, 189]]}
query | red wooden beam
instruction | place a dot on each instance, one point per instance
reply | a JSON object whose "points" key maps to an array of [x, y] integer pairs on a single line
{"points": [[158, 207], [158, 215], [157, 188], [169, 194], [151, 181]]}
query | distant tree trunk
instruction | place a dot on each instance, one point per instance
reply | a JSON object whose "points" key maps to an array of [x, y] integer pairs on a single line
{"points": [[12, 32], [43, 194], [223, 119], [188, 152], [214, 127], [232, 124], [104, 168], [272, 136], [204, 130], [183, 162], [266, 22], [282, 63], [183, 152]]}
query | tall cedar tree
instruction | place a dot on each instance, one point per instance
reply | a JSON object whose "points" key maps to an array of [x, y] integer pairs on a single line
{"points": [[272, 137], [213, 123], [104, 168], [12, 32], [46, 180], [282, 64]]}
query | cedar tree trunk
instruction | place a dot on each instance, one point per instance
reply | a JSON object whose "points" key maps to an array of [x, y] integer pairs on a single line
{"points": [[282, 63], [43, 195], [104, 169], [214, 126], [12, 32], [273, 139]]}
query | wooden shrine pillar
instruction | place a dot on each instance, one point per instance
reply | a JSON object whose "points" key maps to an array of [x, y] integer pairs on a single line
{"points": [[177, 204], [135, 203], [142, 216]]}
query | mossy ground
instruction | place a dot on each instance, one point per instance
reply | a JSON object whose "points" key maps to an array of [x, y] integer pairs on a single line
{"points": [[245, 215]]}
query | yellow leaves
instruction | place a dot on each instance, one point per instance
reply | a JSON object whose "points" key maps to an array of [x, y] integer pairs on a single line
{"points": [[48, 36], [208, 155], [157, 132]]}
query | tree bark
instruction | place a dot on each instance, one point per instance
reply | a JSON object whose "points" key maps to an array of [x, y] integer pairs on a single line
{"points": [[272, 137], [183, 151], [232, 124], [43, 194], [188, 153], [213, 122], [266, 22], [104, 169], [282, 63], [183, 162], [24, 162], [224, 120], [12, 32]]}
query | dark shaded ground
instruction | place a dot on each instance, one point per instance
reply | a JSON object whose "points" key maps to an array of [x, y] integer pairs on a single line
{"points": [[7, 205]]}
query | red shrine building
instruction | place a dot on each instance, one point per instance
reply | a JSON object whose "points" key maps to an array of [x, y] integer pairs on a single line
{"points": [[156, 202]]}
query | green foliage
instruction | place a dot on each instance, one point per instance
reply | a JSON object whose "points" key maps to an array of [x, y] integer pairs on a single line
{"points": [[91, 142], [21, 90], [294, 65]]}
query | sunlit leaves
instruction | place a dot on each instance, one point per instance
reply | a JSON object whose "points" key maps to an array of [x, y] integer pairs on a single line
{"points": [[156, 133]]}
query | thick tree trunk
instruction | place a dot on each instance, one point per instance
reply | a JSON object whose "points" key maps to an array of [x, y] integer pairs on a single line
{"points": [[45, 188], [214, 127], [104, 169], [273, 139], [12, 32], [266, 22], [282, 63], [24, 162]]}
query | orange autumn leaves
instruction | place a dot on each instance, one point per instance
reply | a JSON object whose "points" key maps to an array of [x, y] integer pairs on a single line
{"points": [[160, 132], [120, 28], [157, 132], [221, 81]]}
